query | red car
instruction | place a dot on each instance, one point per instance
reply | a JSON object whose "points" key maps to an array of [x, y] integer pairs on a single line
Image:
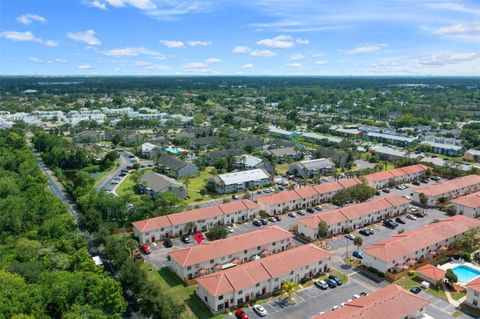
{"points": [[145, 249], [240, 314]]}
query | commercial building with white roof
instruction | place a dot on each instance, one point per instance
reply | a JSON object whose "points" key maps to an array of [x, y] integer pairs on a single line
{"points": [[241, 181]]}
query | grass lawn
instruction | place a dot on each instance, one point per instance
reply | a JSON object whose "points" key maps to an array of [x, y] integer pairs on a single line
{"points": [[174, 287], [282, 168], [414, 281], [126, 187], [457, 295], [196, 183]]}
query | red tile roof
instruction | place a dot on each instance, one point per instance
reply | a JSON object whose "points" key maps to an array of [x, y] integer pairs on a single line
{"points": [[474, 284], [194, 215], [431, 271], [449, 186], [354, 211], [392, 302], [396, 172], [249, 274], [398, 246], [224, 247], [472, 200]]}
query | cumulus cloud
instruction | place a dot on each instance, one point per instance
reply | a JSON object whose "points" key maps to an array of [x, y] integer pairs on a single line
{"points": [[454, 6], [35, 60], [194, 43], [196, 67], [28, 18], [87, 37], [84, 66], [278, 42], [297, 57], [26, 36], [248, 66], [57, 61], [240, 49], [263, 53], [139, 4], [319, 62], [135, 51], [213, 60], [172, 44], [366, 49], [468, 31], [294, 65], [302, 41]]}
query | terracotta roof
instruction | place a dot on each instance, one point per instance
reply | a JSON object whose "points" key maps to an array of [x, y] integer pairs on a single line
{"points": [[306, 192], [224, 247], [431, 271], [249, 274], [354, 211], [193, 215], [398, 246], [391, 301], [472, 200], [449, 186], [396, 172], [278, 198], [474, 284]]}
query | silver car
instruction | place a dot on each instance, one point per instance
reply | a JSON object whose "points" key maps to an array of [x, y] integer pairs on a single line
{"points": [[260, 310]]}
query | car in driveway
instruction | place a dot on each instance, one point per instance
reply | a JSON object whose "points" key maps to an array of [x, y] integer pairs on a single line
{"points": [[310, 210], [357, 254], [412, 217], [186, 239], [256, 222], [229, 229], [435, 178], [144, 248], [337, 280], [292, 214], [167, 243], [350, 236], [301, 213], [331, 283], [386, 190], [416, 183], [264, 221], [320, 284], [272, 219], [262, 312], [415, 290], [240, 314]]}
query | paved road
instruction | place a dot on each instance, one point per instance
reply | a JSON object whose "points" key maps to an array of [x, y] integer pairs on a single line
{"points": [[124, 162]]}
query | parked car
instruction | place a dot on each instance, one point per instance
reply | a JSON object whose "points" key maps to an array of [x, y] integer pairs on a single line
{"points": [[424, 180], [420, 214], [262, 312], [349, 236], [416, 183], [386, 190], [167, 243], [292, 214], [365, 232], [335, 308], [399, 220], [435, 178], [310, 210], [320, 284], [264, 221], [186, 239], [406, 197], [415, 290], [357, 254], [272, 219], [355, 296], [256, 222], [331, 283], [363, 294], [230, 229], [301, 213], [144, 248], [336, 279], [390, 224], [240, 314], [278, 218], [412, 217], [319, 208]]}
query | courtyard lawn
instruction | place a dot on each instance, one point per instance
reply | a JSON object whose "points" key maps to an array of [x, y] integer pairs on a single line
{"points": [[413, 281], [174, 287], [458, 294], [282, 168], [196, 183], [126, 187]]}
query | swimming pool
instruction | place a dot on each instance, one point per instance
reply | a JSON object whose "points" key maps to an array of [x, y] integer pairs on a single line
{"points": [[174, 150], [466, 273]]}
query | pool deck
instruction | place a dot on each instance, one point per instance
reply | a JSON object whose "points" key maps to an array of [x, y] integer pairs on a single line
{"points": [[453, 264]]}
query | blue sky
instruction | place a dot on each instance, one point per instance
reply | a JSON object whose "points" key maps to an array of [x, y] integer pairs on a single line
{"points": [[250, 37]]}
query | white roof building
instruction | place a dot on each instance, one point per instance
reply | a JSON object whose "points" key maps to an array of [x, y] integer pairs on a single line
{"points": [[243, 176]]}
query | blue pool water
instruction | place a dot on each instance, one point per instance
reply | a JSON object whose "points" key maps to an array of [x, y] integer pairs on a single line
{"points": [[173, 150], [466, 273]]}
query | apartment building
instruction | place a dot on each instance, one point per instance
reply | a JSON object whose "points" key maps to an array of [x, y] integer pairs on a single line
{"points": [[238, 285], [417, 245], [201, 219], [392, 302], [353, 216], [191, 262], [303, 197], [450, 189], [241, 181], [310, 168], [468, 205], [473, 293], [397, 175]]}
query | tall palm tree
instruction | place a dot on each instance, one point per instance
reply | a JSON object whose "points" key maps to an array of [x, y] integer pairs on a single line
{"points": [[289, 288]]}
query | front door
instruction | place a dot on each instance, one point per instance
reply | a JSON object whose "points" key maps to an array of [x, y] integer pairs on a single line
{"points": [[153, 239], [226, 304]]}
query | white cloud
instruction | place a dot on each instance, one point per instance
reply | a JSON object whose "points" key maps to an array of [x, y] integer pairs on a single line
{"points": [[57, 61], [26, 36], [136, 51], [149, 66], [172, 44], [452, 58], [366, 49], [84, 66], [302, 41], [460, 31], [87, 37], [241, 49], [279, 42], [454, 6], [197, 67], [248, 66], [263, 53], [28, 18], [294, 65], [139, 4], [297, 57], [97, 4], [213, 60], [194, 43], [319, 62], [35, 60]]}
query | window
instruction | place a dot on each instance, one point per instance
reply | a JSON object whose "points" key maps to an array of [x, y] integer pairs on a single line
{"points": [[220, 297], [211, 261], [240, 292], [189, 268], [206, 299], [257, 285]]}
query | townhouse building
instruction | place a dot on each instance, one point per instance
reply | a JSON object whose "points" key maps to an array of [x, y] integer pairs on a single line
{"points": [[392, 302], [353, 216], [310, 168], [450, 189], [417, 245], [473, 293], [191, 221], [302, 197], [395, 176], [192, 262], [238, 285], [468, 205], [241, 181]]}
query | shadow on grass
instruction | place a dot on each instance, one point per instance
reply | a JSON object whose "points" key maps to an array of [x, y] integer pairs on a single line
{"points": [[170, 277]]}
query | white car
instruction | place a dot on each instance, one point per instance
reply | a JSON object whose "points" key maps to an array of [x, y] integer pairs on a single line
{"points": [[335, 308], [350, 236], [292, 214], [230, 229], [412, 217], [260, 310], [407, 197], [355, 297]]}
